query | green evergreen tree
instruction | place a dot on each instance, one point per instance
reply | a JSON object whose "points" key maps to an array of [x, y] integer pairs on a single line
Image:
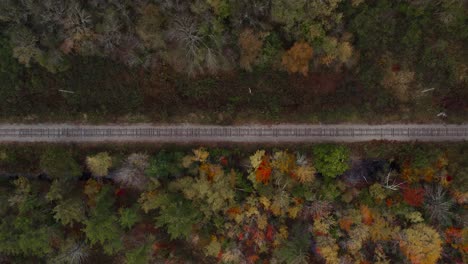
{"points": [[70, 211], [129, 217], [103, 227], [59, 164]]}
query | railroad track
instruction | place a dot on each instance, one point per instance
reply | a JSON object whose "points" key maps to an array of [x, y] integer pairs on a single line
{"points": [[80, 133]]}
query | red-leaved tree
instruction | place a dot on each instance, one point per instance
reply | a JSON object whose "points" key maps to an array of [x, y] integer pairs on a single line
{"points": [[414, 197]]}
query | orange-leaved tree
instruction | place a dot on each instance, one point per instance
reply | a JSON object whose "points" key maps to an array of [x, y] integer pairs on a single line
{"points": [[297, 58], [263, 172]]}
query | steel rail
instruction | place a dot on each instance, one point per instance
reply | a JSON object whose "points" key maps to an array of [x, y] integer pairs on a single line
{"points": [[285, 132], [230, 132]]}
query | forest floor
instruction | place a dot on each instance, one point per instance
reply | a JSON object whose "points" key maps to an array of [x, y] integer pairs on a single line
{"points": [[192, 133]]}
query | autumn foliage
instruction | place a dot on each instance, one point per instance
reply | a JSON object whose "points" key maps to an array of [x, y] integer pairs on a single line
{"points": [[251, 46], [345, 224], [233, 211], [453, 235], [267, 207], [457, 238], [263, 172], [421, 244], [414, 197], [296, 59], [366, 214]]}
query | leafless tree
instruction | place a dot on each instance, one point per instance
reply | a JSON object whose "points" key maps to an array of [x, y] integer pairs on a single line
{"points": [[316, 209], [201, 51], [438, 204], [132, 173], [250, 13]]}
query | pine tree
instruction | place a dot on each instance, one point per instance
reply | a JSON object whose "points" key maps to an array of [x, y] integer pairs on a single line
{"points": [[70, 211], [102, 226], [59, 164]]}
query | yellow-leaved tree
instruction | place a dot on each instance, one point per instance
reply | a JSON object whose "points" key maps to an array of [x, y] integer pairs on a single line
{"points": [[99, 164], [305, 174], [421, 244]]}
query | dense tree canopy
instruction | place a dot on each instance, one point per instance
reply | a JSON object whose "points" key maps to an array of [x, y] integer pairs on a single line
{"points": [[302, 205], [200, 32], [229, 61], [364, 60], [102, 226], [59, 164]]}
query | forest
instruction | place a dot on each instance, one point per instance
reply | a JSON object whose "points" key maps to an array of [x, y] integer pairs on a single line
{"points": [[224, 62], [370, 202], [228, 61]]}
